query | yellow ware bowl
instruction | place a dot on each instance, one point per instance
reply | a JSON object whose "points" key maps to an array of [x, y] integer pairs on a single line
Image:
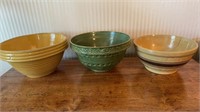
{"points": [[33, 57], [37, 54], [163, 54], [46, 53], [4, 53], [32, 43], [38, 68]]}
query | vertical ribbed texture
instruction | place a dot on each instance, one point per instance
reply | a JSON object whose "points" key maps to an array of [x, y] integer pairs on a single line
{"points": [[71, 17]]}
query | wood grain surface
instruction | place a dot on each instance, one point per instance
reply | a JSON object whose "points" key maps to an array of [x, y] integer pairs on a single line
{"points": [[128, 87]]}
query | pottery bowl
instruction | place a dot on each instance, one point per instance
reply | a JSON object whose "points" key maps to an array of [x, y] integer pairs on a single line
{"points": [[35, 55], [100, 51], [38, 55], [39, 67], [32, 44], [163, 54]]}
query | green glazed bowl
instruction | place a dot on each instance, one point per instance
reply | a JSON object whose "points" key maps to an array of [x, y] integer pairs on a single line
{"points": [[100, 51]]}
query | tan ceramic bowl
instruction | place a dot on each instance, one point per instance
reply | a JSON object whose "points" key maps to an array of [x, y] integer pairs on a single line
{"points": [[32, 58], [46, 53], [40, 67], [163, 54], [34, 55], [32, 44]]}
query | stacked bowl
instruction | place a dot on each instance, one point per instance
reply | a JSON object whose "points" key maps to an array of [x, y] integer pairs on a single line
{"points": [[34, 55], [164, 54]]}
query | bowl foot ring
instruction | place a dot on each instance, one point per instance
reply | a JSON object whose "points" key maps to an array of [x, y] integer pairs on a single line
{"points": [[161, 72]]}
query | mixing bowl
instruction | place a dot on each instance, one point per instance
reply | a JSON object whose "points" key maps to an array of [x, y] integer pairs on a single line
{"points": [[163, 54], [34, 55], [32, 43], [100, 51]]}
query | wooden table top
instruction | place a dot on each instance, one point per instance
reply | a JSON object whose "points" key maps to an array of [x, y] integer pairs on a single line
{"points": [[128, 87]]}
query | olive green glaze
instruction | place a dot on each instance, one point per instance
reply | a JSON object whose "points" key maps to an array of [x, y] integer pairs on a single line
{"points": [[100, 51]]}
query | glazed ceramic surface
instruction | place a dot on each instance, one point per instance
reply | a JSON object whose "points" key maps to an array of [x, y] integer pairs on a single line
{"points": [[38, 68], [45, 53], [34, 55], [32, 43], [163, 54], [100, 51]]}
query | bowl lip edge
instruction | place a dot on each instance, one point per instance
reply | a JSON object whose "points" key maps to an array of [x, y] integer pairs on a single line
{"points": [[167, 52], [33, 53], [34, 59], [35, 50], [33, 56], [129, 40]]}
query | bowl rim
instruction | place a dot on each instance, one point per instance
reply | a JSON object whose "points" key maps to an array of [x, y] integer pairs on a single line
{"points": [[33, 59], [33, 53], [32, 56], [166, 52], [34, 50], [101, 46]]}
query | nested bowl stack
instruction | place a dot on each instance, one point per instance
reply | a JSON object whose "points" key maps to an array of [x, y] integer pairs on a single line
{"points": [[34, 55], [100, 51], [164, 54]]}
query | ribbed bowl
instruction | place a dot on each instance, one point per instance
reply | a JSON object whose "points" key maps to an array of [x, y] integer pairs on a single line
{"points": [[34, 55], [45, 53], [38, 68], [4, 53], [100, 51], [164, 54], [32, 43]]}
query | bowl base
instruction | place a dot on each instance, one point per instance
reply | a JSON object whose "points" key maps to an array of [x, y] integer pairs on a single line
{"points": [[36, 76], [100, 70], [161, 72], [41, 75]]}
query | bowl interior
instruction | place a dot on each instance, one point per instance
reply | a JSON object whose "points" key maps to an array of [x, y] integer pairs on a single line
{"points": [[166, 43], [32, 42], [100, 39]]}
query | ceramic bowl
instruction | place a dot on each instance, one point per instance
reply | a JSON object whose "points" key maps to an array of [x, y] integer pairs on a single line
{"points": [[39, 67], [100, 51], [163, 54], [34, 55], [32, 44], [31, 53]]}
